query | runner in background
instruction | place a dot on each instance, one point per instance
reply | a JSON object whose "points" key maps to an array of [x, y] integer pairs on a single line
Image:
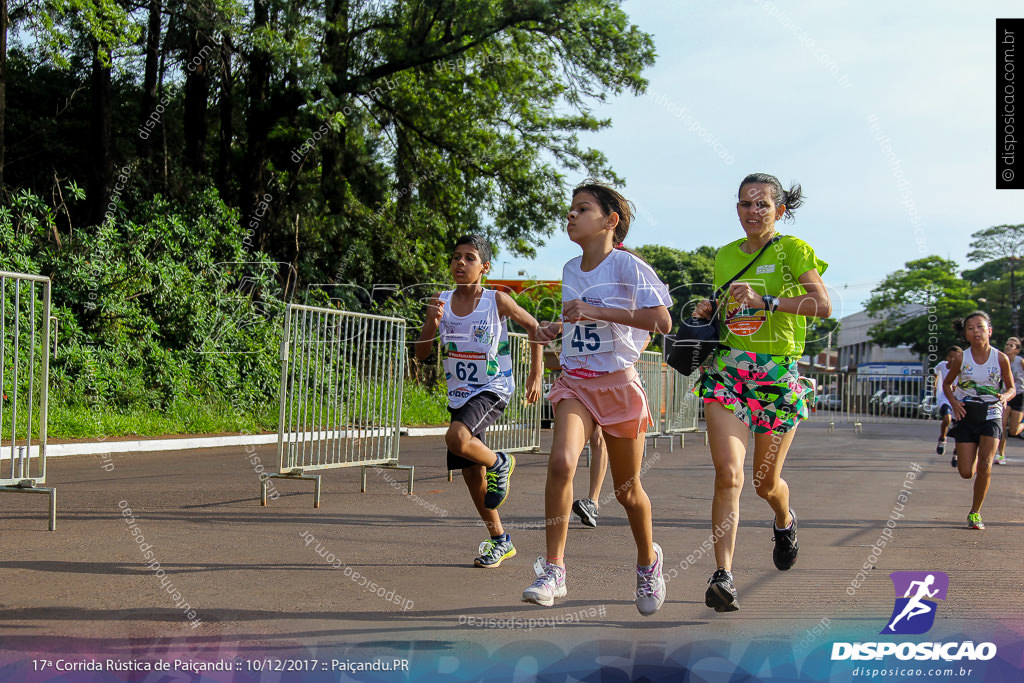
{"points": [[1011, 416], [586, 508], [942, 403]]}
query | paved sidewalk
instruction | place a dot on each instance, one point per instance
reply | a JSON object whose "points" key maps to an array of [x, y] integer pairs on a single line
{"points": [[382, 576]]}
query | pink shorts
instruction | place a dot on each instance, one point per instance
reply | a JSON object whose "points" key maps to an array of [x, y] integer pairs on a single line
{"points": [[616, 401]]}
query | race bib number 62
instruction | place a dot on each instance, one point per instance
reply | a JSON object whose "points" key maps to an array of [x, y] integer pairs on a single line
{"points": [[467, 366]]}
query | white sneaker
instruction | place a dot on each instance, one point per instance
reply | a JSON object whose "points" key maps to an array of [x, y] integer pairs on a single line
{"points": [[550, 584], [650, 586]]}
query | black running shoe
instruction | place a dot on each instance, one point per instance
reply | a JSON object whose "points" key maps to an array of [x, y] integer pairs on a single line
{"points": [[952, 461], [721, 593], [587, 510], [941, 447], [786, 546], [498, 477]]}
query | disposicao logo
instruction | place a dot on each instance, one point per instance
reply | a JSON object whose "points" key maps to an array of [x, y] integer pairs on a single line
{"points": [[914, 613]]}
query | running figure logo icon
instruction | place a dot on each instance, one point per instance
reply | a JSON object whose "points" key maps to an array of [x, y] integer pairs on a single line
{"points": [[913, 612]]}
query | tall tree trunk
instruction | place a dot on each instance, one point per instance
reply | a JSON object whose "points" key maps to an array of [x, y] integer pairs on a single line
{"points": [[334, 171], [146, 134], [256, 125], [197, 94], [101, 167], [4, 20], [226, 104], [407, 181]]}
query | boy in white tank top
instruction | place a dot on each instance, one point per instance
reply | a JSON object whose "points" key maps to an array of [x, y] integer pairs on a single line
{"points": [[471, 321]]}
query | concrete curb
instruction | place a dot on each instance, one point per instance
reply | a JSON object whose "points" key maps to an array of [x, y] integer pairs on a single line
{"points": [[56, 450]]}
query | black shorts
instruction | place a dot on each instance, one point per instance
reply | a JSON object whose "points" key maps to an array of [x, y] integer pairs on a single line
{"points": [[1016, 402], [478, 413], [963, 431]]}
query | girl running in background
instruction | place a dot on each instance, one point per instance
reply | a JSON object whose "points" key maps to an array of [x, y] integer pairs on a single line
{"points": [[942, 403], [1012, 415], [972, 386], [611, 299], [587, 508]]}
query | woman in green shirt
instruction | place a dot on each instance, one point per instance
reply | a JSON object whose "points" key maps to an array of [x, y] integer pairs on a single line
{"points": [[752, 383]]}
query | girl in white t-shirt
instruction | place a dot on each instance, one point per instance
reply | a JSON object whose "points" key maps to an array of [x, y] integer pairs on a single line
{"points": [[978, 386], [611, 300]]}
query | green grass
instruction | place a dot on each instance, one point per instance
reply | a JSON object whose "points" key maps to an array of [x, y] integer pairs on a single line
{"points": [[85, 422], [420, 406]]}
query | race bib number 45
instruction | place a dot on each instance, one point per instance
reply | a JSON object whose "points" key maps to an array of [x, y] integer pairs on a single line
{"points": [[466, 366], [587, 338]]}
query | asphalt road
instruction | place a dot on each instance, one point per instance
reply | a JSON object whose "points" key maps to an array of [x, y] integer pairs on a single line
{"points": [[289, 592]]}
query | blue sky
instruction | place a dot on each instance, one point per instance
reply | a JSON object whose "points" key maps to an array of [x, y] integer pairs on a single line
{"points": [[789, 89]]}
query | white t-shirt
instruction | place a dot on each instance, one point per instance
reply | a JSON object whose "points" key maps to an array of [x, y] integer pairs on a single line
{"points": [[621, 280], [475, 350], [942, 369], [1017, 368]]}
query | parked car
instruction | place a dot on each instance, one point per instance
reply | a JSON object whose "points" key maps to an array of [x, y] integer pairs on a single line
{"points": [[829, 402], [929, 409], [903, 405], [875, 402]]}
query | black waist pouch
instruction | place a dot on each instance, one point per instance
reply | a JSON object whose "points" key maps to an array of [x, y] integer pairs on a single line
{"points": [[977, 411]]}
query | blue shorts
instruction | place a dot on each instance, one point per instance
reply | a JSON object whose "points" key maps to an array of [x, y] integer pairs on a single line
{"points": [[945, 409]]}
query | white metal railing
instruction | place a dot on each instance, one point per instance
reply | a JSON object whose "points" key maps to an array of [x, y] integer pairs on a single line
{"points": [[342, 376], [25, 384]]}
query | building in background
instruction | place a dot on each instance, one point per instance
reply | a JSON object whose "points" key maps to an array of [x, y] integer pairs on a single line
{"points": [[858, 352], [878, 370]]}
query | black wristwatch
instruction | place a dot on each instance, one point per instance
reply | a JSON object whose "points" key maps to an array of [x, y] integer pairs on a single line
{"points": [[771, 303]]}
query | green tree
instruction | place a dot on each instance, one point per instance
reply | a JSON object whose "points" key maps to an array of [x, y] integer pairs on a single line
{"points": [[999, 249], [432, 119], [542, 300], [916, 305], [688, 274], [348, 141]]}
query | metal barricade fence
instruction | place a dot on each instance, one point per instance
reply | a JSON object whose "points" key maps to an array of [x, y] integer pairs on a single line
{"points": [[342, 376], [653, 378], [518, 428], [867, 398], [25, 384], [681, 405]]}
